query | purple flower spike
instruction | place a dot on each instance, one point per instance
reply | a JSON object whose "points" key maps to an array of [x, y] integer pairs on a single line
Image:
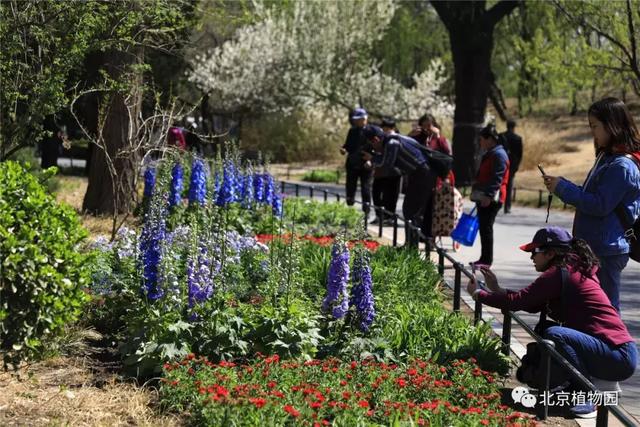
{"points": [[198, 185], [175, 192], [151, 238], [149, 182], [337, 299], [362, 291]]}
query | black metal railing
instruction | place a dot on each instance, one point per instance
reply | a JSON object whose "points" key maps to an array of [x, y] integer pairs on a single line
{"points": [[547, 346]]}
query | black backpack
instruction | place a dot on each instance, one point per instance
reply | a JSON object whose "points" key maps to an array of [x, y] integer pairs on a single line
{"points": [[631, 227], [438, 161]]}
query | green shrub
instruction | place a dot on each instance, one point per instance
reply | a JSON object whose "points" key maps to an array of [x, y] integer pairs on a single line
{"points": [[321, 176], [42, 272], [313, 217]]}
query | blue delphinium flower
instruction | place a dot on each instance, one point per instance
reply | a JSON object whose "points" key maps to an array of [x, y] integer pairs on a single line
{"points": [[276, 205], [247, 191], [199, 277], [258, 187], [151, 238], [227, 190], [337, 299], [198, 184], [175, 192], [362, 291], [270, 189], [149, 182]]}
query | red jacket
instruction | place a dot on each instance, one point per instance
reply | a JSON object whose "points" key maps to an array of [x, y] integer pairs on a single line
{"points": [[493, 173], [586, 308]]}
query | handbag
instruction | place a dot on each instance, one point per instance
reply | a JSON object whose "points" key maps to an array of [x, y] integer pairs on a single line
{"points": [[466, 231]]}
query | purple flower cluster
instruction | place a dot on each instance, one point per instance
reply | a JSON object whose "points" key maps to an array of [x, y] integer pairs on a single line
{"points": [[276, 205], [337, 299], [259, 188], [198, 184], [270, 191], [200, 277], [361, 291], [149, 182], [151, 238], [226, 193], [175, 191], [247, 190]]}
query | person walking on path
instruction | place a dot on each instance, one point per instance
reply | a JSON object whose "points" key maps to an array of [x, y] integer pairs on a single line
{"points": [[353, 147], [513, 145], [490, 189], [386, 183], [405, 155], [592, 337], [614, 180]]}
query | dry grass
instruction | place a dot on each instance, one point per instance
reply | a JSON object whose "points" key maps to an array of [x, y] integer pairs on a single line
{"points": [[71, 192], [563, 145], [66, 391]]}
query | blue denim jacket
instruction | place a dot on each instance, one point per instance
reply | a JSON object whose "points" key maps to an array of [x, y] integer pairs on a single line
{"points": [[612, 180]]}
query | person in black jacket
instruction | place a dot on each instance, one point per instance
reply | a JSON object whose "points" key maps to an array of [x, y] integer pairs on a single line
{"points": [[353, 147], [386, 183], [513, 145]]}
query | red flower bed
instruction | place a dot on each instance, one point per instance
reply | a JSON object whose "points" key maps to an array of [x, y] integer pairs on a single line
{"points": [[371, 245], [323, 392]]}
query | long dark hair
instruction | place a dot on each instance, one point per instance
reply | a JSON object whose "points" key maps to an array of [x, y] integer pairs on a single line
{"points": [[618, 122], [423, 118], [579, 255]]}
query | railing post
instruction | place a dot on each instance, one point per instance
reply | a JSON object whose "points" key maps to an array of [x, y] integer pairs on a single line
{"points": [[457, 286], [380, 215], [506, 333], [513, 198], [311, 192], [539, 198], [543, 410], [395, 230], [325, 195], [337, 197], [440, 262], [282, 184], [477, 313], [602, 419]]}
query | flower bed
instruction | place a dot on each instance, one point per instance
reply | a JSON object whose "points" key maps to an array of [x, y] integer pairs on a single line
{"points": [[269, 391]]}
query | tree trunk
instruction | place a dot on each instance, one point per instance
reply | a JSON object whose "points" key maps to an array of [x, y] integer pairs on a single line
{"points": [[472, 68], [115, 192], [470, 29]]}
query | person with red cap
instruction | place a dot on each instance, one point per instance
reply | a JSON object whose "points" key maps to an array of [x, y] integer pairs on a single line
{"points": [[592, 337]]}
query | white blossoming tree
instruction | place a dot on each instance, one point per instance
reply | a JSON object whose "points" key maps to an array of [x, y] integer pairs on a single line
{"points": [[314, 54]]}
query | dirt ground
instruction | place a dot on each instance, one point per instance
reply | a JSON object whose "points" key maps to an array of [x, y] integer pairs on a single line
{"points": [[76, 391]]}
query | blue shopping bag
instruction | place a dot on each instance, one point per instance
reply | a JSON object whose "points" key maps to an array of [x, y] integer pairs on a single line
{"points": [[467, 229]]}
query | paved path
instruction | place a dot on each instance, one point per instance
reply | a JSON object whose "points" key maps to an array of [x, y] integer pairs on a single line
{"points": [[515, 271]]}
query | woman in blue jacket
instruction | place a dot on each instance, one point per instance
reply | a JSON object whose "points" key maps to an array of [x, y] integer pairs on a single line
{"points": [[613, 180]]}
